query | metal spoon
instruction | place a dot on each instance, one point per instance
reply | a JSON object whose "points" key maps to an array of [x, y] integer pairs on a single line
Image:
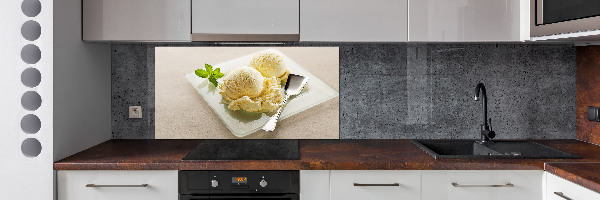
{"points": [[293, 86]]}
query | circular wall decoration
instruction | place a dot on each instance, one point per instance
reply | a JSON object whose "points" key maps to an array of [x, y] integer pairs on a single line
{"points": [[31, 100], [31, 124], [31, 30], [31, 54], [31, 77], [31, 147], [31, 8]]}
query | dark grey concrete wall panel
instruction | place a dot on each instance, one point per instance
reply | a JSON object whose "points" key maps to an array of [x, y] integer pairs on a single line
{"points": [[408, 90], [132, 85]]}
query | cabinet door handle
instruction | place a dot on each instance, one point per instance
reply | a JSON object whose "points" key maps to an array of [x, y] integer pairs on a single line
{"points": [[367, 184], [505, 185], [560, 194], [94, 185]]}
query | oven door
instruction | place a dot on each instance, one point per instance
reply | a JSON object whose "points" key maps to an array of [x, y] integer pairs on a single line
{"points": [[236, 197]]}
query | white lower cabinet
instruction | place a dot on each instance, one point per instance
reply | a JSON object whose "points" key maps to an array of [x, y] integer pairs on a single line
{"points": [[375, 185], [482, 184], [117, 185], [561, 189], [314, 184]]}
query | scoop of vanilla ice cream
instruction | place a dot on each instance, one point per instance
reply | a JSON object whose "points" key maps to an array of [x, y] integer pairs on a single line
{"points": [[268, 101], [270, 63], [242, 81], [244, 88]]}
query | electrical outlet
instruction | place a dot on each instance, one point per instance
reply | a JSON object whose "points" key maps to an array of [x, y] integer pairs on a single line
{"points": [[135, 112]]}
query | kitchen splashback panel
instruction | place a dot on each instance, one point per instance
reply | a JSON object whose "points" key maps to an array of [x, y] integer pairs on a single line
{"points": [[407, 90], [195, 108]]}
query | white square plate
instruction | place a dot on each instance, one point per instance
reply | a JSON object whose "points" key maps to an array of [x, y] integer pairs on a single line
{"points": [[242, 123]]}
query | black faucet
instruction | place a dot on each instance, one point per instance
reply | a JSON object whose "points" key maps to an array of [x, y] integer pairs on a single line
{"points": [[486, 129]]}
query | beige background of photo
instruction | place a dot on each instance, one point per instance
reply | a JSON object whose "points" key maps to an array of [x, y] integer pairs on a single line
{"points": [[181, 113]]}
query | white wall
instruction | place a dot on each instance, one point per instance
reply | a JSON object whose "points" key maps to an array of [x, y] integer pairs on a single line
{"points": [[74, 88], [82, 84], [24, 177]]}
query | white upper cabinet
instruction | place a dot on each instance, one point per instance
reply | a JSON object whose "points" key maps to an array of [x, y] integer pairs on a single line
{"points": [[307, 20], [245, 20], [354, 20], [468, 20], [136, 20]]}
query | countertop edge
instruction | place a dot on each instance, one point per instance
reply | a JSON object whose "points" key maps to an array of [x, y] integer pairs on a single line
{"points": [[579, 179]]}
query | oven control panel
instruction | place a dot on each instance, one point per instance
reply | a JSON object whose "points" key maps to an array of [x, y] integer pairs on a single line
{"points": [[223, 182]]}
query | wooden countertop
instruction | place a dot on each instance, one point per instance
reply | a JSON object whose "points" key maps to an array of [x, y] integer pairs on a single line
{"points": [[581, 173], [314, 155], [332, 155]]}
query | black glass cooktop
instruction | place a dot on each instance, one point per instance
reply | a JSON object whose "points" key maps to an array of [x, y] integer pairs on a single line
{"points": [[245, 150]]}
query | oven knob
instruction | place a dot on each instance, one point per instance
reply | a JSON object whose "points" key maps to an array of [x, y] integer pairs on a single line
{"points": [[263, 183], [214, 183]]}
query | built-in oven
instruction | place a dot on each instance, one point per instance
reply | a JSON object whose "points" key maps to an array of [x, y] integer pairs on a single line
{"points": [[234, 185], [555, 17]]}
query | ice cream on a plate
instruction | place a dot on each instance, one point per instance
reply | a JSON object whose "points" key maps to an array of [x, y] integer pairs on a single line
{"points": [[244, 88], [270, 64]]}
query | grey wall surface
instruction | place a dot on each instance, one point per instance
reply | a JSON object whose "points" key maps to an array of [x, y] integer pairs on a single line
{"points": [[408, 90], [81, 77], [132, 85]]}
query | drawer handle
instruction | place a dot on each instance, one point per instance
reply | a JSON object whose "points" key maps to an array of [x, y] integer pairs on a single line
{"points": [[505, 185], [362, 184], [560, 194], [94, 185]]}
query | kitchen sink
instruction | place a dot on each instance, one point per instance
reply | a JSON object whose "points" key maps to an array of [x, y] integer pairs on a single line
{"points": [[491, 149]]}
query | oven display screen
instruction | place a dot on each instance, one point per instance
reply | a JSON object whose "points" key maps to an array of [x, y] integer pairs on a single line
{"points": [[239, 180]]}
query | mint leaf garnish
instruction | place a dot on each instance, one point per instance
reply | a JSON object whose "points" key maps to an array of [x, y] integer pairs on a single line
{"points": [[202, 73], [213, 80], [209, 73], [217, 73], [208, 67]]}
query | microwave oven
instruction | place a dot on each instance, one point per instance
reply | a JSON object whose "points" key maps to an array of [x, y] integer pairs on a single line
{"points": [[555, 19]]}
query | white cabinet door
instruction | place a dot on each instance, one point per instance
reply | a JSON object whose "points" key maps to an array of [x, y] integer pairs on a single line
{"points": [[482, 184], [561, 189], [224, 18], [136, 20], [354, 20], [468, 20], [314, 184], [117, 185], [375, 185]]}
